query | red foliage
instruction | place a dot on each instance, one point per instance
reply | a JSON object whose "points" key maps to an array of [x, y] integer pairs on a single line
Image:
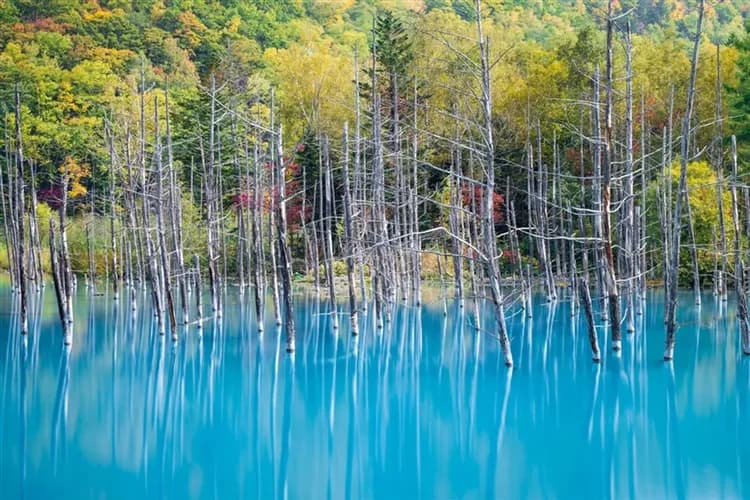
{"points": [[42, 24], [52, 196], [269, 197], [498, 201], [244, 199], [509, 255]]}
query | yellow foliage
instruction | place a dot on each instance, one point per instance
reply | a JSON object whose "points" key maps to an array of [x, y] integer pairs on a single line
{"points": [[315, 85], [157, 10], [335, 4], [234, 24], [192, 28], [97, 15], [74, 173]]}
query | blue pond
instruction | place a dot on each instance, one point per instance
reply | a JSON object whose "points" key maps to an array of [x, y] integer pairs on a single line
{"points": [[424, 408]]}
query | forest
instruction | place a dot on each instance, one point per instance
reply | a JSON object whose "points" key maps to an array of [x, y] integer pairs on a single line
{"points": [[589, 150]]}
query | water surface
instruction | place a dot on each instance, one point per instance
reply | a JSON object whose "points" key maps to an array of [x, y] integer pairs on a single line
{"points": [[424, 408]]}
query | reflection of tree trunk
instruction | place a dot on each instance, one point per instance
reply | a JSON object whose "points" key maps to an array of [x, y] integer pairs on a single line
{"points": [[60, 417]]}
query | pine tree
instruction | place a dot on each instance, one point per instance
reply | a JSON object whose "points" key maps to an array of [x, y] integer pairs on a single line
{"points": [[740, 96]]}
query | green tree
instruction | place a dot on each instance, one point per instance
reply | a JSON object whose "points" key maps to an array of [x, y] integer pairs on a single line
{"points": [[740, 95]]}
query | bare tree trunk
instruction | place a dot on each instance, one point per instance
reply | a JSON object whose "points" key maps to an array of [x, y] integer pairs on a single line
{"points": [[414, 206], [454, 224], [164, 250], [598, 194], [443, 295], [57, 280], [257, 232], [359, 188], [739, 286], [610, 279], [589, 313], [630, 221], [175, 204], [6, 232], [489, 186], [153, 276], [719, 164], [671, 298], [285, 264], [113, 213], [132, 215], [693, 249], [349, 243], [543, 228], [327, 212], [213, 244], [379, 227], [20, 213], [91, 274], [272, 226], [642, 218], [198, 290], [36, 244]]}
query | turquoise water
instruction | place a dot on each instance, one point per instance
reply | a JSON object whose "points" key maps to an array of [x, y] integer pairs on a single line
{"points": [[422, 409]]}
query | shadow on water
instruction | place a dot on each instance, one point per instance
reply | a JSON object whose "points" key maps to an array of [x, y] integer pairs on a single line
{"points": [[420, 408]]}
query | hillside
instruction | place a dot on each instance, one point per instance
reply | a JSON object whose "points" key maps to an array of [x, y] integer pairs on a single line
{"points": [[75, 57]]}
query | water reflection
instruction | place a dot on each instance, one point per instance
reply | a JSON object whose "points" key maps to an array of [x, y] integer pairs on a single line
{"points": [[422, 408]]}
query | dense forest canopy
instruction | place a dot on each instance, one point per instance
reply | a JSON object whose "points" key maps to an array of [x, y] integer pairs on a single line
{"points": [[78, 66], [77, 61]]}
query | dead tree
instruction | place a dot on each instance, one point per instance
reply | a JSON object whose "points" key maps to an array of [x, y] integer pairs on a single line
{"points": [[20, 212], [719, 165], [740, 287], [610, 278], [175, 212], [630, 235], [349, 246], [258, 261], [165, 278], [490, 244], [285, 263], [671, 293], [112, 212], [57, 279], [327, 210], [35, 241]]}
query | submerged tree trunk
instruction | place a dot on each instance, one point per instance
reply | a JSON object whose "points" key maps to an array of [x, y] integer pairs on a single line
{"points": [[56, 271]]}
